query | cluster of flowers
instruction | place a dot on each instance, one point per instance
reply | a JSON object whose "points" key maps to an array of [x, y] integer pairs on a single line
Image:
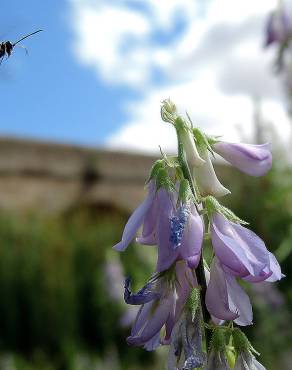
{"points": [[185, 295], [279, 33]]}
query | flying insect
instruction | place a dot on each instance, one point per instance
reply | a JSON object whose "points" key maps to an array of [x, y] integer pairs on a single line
{"points": [[6, 47]]}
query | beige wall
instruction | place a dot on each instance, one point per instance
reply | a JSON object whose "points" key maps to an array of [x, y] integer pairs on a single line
{"points": [[54, 177]]}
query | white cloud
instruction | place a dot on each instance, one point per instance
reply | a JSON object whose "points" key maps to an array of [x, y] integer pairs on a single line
{"points": [[100, 33], [213, 68]]}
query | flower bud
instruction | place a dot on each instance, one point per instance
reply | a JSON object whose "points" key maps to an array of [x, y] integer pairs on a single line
{"points": [[168, 111], [207, 180], [186, 137]]}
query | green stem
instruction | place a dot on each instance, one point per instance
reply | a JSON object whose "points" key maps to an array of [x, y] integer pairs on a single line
{"points": [[200, 272]]}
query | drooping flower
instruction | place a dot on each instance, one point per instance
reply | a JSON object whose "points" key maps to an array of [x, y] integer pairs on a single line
{"points": [[179, 233], [217, 359], [207, 180], [241, 252], [225, 299], [279, 27], [158, 309], [162, 300], [255, 160], [176, 229], [186, 351], [177, 226], [247, 361], [137, 218]]}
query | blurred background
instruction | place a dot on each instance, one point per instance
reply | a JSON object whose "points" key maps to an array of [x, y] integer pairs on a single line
{"points": [[79, 130]]}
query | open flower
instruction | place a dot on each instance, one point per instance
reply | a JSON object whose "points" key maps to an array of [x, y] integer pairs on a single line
{"points": [[225, 299], [179, 233], [137, 218], [241, 252], [158, 309], [162, 300], [176, 227], [255, 160]]}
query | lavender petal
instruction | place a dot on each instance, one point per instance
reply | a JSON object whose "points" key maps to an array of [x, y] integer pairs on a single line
{"points": [[166, 253], [144, 295], [217, 301], [135, 221], [239, 301], [154, 323], [255, 160], [238, 248], [192, 240]]}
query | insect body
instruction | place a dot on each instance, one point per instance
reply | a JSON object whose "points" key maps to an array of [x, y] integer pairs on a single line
{"points": [[6, 47]]}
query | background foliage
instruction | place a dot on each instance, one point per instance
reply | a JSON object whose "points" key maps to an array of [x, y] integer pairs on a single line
{"points": [[61, 284]]}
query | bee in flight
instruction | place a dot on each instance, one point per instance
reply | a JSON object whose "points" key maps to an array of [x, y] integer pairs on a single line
{"points": [[6, 47]]}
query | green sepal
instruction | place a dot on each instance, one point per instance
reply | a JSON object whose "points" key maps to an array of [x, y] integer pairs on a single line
{"points": [[212, 205], [218, 340], [193, 302], [202, 141], [163, 180], [180, 125], [185, 193], [172, 161], [241, 342], [159, 164], [213, 139]]}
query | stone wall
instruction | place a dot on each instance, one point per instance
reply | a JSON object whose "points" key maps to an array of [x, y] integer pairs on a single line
{"points": [[54, 177]]}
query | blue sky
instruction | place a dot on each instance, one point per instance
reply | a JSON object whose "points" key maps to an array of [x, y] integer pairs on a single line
{"points": [[98, 72], [49, 94]]}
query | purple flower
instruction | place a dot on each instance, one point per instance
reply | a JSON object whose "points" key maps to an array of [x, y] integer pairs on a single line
{"points": [[186, 280], [217, 361], [177, 226], [152, 316], [179, 233], [186, 351], [278, 27], [148, 236], [241, 252], [247, 361], [225, 299], [137, 218], [255, 160], [162, 300], [145, 295]]}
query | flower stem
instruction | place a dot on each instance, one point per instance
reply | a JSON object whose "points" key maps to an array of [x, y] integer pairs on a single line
{"points": [[200, 272]]}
